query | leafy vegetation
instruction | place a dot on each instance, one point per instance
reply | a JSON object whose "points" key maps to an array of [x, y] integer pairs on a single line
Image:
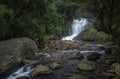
{"points": [[108, 17], [92, 34], [36, 19]]}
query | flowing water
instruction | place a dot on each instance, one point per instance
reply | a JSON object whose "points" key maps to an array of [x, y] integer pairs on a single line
{"points": [[23, 71], [77, 27]]}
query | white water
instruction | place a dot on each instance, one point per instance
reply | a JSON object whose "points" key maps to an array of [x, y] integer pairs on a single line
{"points": [[77, 27], [23, 71]]}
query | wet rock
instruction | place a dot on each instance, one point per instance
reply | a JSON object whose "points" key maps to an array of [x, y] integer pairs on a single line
{"points": [[86, 65], [79, 56], [13, 52], [23, 77], [108, 50], [40, 70], [55, 66], [116, 68], [58, 45], [93, 56], [78, 77]]}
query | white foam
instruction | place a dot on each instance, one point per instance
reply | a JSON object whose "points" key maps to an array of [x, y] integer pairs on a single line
{"points": [[77, 27]]}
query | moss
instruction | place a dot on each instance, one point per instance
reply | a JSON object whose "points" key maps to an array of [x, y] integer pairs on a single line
{"points": [[93, 34]]}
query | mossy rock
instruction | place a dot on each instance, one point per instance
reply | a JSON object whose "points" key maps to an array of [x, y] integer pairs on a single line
{"points": [[116, 68], [79, 56], [40, 70], [86, 65], [93, 56], [15, 51]]}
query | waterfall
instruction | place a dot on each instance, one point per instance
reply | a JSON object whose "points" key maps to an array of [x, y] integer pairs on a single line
{"points": [[77, 27]]}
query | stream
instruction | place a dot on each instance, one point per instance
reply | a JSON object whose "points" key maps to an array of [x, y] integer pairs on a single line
{"points": [[69, 66], [60, 56]]}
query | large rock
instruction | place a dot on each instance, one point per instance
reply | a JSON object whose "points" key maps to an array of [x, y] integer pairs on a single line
{"points": [[93, 56], [78, 55], [116, 68], [13, 52], [86, 65], [92, 34], [40, 70]]}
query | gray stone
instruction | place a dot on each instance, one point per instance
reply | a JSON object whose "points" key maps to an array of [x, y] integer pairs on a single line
{"points": [[93, 56], [13, 52], [86, 65], [116, 68], [40, 70], [79, 56]]}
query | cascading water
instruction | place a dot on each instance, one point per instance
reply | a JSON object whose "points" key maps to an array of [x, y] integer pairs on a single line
{"points": [[23, 71], [77, 27]]}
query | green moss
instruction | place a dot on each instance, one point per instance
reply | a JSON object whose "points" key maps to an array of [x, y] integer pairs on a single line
{"points": [[93, 34]]}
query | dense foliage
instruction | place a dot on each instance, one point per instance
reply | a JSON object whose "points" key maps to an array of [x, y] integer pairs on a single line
{"points": [[93, 35], [35, 18], [108, 15], [38, 19]]}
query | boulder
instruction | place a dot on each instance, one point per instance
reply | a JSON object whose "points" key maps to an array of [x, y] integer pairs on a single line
{"points": [[116, 68], [14, 51], [55, 66], [79, 56], [93, 56], [40, 70], [86, 65], [108, 50]]}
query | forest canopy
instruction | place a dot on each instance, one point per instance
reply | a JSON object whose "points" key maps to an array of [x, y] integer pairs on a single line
{"points": [[38, 19]]}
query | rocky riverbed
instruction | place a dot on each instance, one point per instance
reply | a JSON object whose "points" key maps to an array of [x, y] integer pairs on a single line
{"points": [[71, 60]]}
